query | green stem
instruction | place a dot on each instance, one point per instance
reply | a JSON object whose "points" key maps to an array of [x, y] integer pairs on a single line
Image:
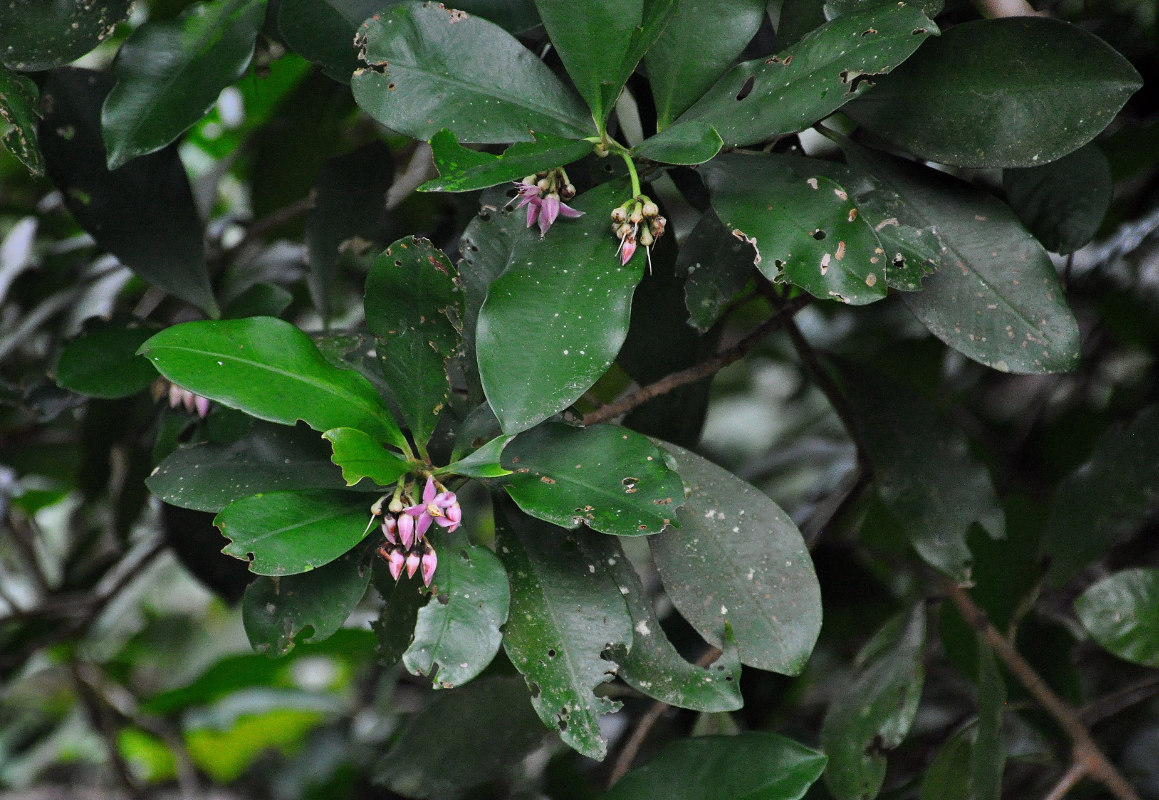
{"points": [[636, 191]]}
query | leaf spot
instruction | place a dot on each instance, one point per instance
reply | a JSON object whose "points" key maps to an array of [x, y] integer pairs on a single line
{"points": [[747, 88]]}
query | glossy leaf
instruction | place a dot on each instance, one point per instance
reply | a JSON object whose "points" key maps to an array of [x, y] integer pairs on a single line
{"points": [[286, 533], [169, 73], [988, 755], [701, 40], [430, 68], [269, 458], [360, 457], [161, 242], [555, 319], [464, 170], [394, 628], [414, 309], [610, 478], [873, 713], [271, 370], [323, 31], [20, 108], [693, 143], [566, 610], [763, 98], [996, 297], [717, 264], [457, 633], [1064, 202], [483, 463], [277, 612], [654, 667], [1008, 92], [103, 360], [1122, 614], [934, 488], [601, 41], [737, 558], [753, 765], [804, 227], [41, 34]]}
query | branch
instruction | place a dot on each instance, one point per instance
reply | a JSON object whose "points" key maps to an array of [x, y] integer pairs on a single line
{"points": [[700, 371], [1089, 760]]}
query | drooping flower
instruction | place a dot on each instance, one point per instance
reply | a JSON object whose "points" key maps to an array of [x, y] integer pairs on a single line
{"points": [[637, 221], [434, 508], [181, 398], [429, 562], [404, 527], [544, 194]]}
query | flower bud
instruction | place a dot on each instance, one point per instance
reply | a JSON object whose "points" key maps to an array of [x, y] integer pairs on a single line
{"points": [[650, 209], [428, 563], [395, 561], [389, 529], [619, 215], [412, 564], [406, 530]]}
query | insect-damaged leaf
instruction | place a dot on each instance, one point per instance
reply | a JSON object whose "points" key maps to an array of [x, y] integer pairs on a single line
{"points": [[463, 170], [38, 34], [19, 107]]}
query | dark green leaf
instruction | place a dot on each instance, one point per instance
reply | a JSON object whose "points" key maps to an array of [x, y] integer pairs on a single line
{"points": [[394, 628], [463, 170], [612, 479], [41, 34], [1064, 202], [760, 99], [19, 107], [718, 266], [414, 310], [996, 297], [988, 755], [701, 41], [462, 739], [103, 360], [737, 558], [323, 31], [1009, 92], [515, 16], [752, 765], [360, 457], [566, 611], [259, 300], [693, 143], [483, 463], [874, 712], [926, 476], [457, 633], [804, 227], [1122, 614], [169, 73], [277, 611], [285, 533], [430, 67], [208, 476], [160, 241], [555, 319], [948, 776], [601, 41], [271, 370]]}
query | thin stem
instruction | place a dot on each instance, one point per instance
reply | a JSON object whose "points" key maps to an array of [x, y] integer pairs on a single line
{"points": [[1077, 771], [636, 190]]}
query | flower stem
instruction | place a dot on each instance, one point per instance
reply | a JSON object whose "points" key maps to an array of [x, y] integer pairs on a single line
{"points": [[636, 191]]}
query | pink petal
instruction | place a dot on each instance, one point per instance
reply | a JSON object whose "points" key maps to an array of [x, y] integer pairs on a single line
{"points": [[412, 564], [202, 406], [569, 212], [424, 522], [406, 531], [395, 562], [429, 491], [627, 249], [445, 499], [389, 525], [429, 562], [532, 212]]}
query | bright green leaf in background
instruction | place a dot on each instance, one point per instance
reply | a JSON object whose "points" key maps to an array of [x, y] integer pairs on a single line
{"points": [[20, 108], [1010, 92], [1062, 203], [1122, 614], [41, 34], [360, 457], [463, 170], [103, 360]]}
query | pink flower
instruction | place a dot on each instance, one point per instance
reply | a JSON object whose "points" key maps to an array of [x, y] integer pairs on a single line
{"points": [[543, 194], [434, 508], [394, 562], [429, 562]]}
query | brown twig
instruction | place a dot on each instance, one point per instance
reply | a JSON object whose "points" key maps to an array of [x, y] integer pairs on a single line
{"points": [[1110, 704], [702, 370], [1088, 759], [100, 718]]}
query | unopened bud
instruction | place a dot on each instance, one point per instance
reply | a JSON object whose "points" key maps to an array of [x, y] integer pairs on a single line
{"points": [[619, 215], [651, 209], [637, 215], [646, 237], [412, 564], [567, 191], [396, 506]]}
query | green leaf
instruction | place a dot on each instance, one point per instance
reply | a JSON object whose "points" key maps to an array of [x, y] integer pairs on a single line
{"points": [[737, 558], [717, 265], [457, 633], [271, 370], [804, 227], [555, 319], [278, 611], [462, 739], [162, 242], [1122, 614], [693, 143], [1062, 203], [169, 74], [566, 611], [925, 475], [948, 776], [259, 300], [103, 360], [873, 712], [610, 478], [996, 297], [1009, 92], [601, 41], [654, 667], [360, 457], [988, 755], [323, 31], [285, 533], [269, 458], [20, 108], [701, 41], [757, 100], [753, 765], [414, 309], [483, 463], [394, 628], [41, 34], [464, 170], [430, 68]]}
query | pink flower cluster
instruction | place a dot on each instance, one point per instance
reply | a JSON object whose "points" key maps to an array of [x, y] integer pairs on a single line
{"points": [[544, 194], [626, 224], [179, 397], [405, 529]]}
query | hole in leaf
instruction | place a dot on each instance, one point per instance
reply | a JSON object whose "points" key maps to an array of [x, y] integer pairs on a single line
{"points": [[533, 687], [551, 652], [818, 234], [747, 88]]}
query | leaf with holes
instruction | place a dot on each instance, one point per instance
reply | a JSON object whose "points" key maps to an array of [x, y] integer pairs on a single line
{"points": [[323, 31], [19, 107], [717, 265], [464, 170], [1122, 614], [38, 35]]}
